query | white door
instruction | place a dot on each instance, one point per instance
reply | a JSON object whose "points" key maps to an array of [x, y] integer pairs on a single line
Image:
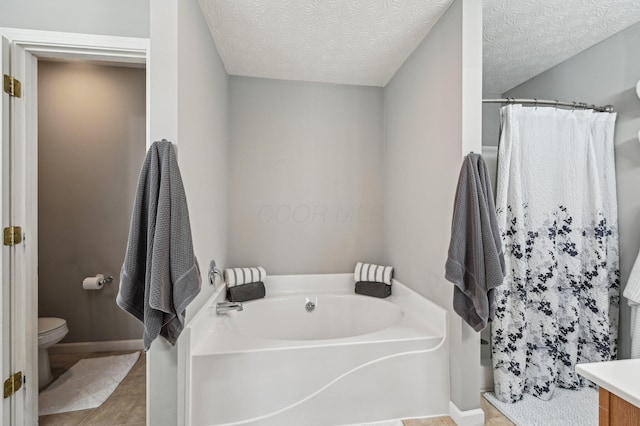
{"points": [[5, 294]]}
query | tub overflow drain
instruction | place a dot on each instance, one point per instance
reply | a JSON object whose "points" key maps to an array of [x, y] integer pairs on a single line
{"points": [[309, 306]]}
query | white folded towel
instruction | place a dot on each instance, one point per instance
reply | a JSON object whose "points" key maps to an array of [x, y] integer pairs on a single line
{"points": [[239, 276], [373, 273], [632, 293]]}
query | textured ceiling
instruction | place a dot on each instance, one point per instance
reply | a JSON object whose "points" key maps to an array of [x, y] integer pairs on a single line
{"points": [[364, 42], [526, 37], [360, 42]]}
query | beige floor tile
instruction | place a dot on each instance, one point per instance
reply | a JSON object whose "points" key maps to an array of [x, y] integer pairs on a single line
{"points": [[70, 418], [114, 411], [489, 410], [138, 413], [431, 421], [132, 385], [492, 415], [141, 364]]}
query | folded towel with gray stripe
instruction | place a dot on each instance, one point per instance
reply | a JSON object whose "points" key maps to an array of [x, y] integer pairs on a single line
{"points": [[244, 284], [239, 276], [373, 273], [373, 280]]}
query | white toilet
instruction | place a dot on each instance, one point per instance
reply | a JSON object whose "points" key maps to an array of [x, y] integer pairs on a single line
{"points": [[50, 332]]}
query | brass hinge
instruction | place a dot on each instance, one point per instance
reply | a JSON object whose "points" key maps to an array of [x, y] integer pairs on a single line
{"points": [[13, 384], [12, 86], [12, 235]]}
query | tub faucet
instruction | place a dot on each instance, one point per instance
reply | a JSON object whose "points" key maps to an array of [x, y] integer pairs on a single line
{"points": [[223, 307]]}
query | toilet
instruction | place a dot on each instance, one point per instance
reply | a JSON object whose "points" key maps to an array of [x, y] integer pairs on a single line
{"points": [[50, 332]]}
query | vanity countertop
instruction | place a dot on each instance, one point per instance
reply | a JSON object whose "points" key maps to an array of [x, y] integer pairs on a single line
{"points": [[621, 378]]}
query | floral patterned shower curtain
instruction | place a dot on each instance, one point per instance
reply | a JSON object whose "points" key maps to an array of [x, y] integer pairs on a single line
{"points": [[557, 213]]}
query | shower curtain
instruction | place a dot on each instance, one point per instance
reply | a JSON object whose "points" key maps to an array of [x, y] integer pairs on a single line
{"points": [[557, 213]]}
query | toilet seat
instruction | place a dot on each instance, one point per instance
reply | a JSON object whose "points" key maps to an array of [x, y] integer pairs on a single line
{"points": [[49, 327], [49, 324]]}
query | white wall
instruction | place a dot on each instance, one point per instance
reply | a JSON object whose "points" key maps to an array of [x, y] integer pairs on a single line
{"points": [[428, 131], [189, 89], [126, 18], [607, 74], [306, 174]]}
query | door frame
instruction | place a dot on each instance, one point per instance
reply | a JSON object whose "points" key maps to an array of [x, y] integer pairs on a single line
{"points": [[7, 252], [26, 47]]}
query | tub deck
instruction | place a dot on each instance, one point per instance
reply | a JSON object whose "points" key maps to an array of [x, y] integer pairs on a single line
{"points": [[217, 338]]}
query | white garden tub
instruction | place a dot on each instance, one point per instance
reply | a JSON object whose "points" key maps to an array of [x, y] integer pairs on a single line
{"points": [[352, 359]]}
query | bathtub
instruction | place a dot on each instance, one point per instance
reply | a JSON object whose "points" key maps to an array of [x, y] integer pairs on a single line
{"points": [[351, 359]]}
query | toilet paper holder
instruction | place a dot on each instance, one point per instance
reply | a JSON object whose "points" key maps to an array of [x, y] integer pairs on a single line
{"points": [[97, 282], [106, 280]]}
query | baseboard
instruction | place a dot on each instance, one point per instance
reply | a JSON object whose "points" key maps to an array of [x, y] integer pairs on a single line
{"points": [[107, 346], [466, 418]]}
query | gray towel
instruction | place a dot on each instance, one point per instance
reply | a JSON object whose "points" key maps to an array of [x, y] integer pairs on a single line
{"points": [[375, 289], [160, 275], [476, 262], [246, 292]]}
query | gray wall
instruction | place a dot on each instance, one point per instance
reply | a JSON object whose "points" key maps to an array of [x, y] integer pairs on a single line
{"points": [[203, 141], [490, 121], [424, 147], [91, 143], [190, 107], [106, 17], [607, 74], [306, 175]]}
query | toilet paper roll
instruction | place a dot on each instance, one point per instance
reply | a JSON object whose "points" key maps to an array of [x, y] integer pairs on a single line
{"points": [[93, 283]]}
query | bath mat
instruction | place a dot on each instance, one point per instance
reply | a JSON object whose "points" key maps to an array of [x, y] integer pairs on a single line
{"points": [[566, 408], [87, 384]]}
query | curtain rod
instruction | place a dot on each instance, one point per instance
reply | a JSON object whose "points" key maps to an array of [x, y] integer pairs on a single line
{"points": [[579, 105]]}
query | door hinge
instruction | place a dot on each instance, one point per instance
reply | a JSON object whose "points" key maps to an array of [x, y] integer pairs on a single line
{"points": [[12, 235], [12, 86], [13, 384]]}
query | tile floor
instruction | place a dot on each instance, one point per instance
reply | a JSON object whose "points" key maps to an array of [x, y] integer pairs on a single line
{"points": [[492, 417], [125, 406]]}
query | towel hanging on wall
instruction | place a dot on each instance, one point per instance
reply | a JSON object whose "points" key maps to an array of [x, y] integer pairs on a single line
{"points": [[160, 275], [475, 264], [632, 293]]}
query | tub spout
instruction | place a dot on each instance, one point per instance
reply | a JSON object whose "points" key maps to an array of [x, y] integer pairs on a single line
{"points": [[228, 306]]}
